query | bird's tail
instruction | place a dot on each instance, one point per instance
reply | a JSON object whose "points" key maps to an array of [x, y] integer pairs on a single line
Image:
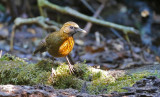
{"points": [[40, 48]]}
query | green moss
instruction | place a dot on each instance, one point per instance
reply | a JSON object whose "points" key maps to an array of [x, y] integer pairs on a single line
{"points": [[64, 79], [96, 79], [82, 71], [14, 70], [9, 71], [126, 81], [8, 57], [42, 78], [45, 65], [62, 69], [67, 81], [100, 80]]}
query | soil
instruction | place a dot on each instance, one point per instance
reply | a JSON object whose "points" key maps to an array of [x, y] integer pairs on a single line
{"points": [[149, 68]]}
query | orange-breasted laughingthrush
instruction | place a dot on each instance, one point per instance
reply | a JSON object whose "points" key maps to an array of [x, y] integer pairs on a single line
{"points": [[60, 43]]}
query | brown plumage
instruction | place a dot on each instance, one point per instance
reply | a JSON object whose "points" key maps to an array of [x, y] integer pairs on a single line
{"points": [[60, 43]]}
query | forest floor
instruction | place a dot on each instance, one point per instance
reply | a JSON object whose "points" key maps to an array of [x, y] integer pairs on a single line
{"points": [[105, 60]]}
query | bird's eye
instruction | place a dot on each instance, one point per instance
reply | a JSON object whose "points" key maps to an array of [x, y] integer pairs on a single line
{"points": [[71, 27]]}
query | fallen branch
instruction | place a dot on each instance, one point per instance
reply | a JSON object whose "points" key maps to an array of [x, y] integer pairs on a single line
{"points": [[41, 21], [72, 12]]}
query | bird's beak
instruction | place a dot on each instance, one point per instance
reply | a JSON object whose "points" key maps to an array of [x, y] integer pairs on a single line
{"points": [[80, 30]]}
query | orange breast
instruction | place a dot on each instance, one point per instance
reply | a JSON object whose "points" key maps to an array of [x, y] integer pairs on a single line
{"points": [[66, 47]]}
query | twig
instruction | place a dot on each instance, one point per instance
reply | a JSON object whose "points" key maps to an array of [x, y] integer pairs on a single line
{"points": [[0, 53], [93, 11], [116, 33], [89, 24], [41, 21], [129, 44], [97, 36], [40, 6], [90, 8], [12, 37], [67, 10]]}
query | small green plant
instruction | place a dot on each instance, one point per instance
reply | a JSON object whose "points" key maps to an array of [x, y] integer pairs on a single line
{"points": [[9, 57]]}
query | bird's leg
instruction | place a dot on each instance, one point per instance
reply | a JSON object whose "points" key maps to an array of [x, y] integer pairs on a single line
{"points": [[71, 70], [70, 59]]}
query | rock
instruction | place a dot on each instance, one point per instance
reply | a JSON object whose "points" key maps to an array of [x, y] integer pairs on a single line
{"points": [[86, 95], [106, 66], [3, 33], [27, 91], [147, 87]]}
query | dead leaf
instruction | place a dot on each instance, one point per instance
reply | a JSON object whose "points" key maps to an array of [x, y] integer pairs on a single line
{"points": [[92, 49], [31, 31]]}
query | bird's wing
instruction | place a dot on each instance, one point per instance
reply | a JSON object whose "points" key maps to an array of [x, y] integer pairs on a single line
{"points": [[41, 47]]}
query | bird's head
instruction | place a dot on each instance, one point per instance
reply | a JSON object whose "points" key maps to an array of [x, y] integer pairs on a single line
{"points": [[71, 28]]}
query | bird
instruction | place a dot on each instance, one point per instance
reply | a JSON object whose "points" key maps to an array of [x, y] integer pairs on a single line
{"points": [[60, 43]]}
